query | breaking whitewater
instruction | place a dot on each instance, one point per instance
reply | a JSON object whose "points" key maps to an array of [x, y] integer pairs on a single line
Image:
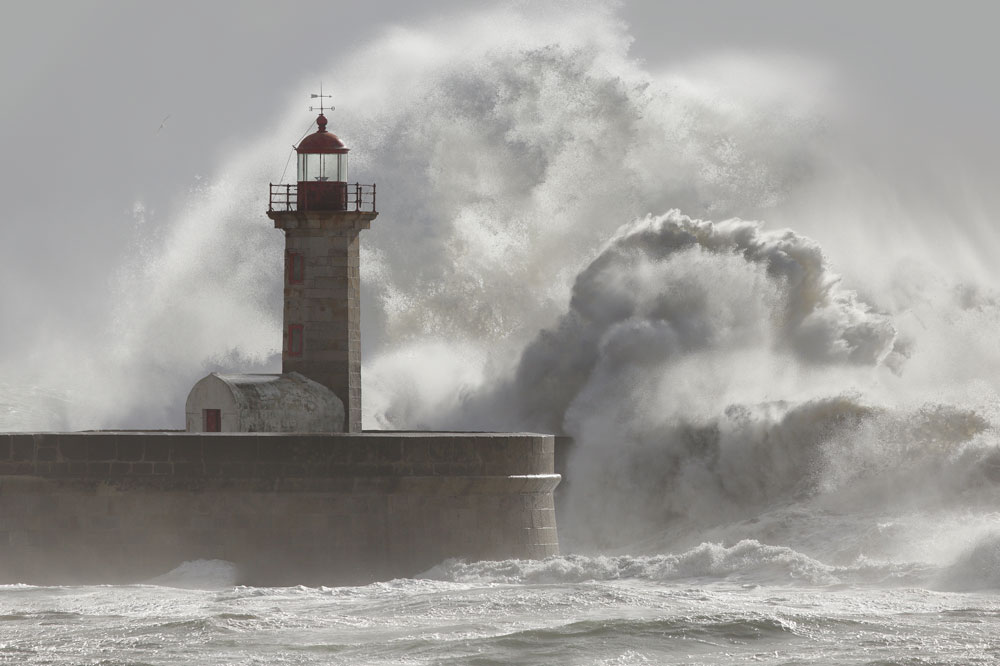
{"points": [[709, 605], [786, 443]]}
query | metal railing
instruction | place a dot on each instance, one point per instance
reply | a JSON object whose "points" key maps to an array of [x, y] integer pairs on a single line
{"points": [[360, 198], [283, 198]]}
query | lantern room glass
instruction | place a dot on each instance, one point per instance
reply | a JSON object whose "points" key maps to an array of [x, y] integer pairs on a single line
{"points": [[323, 167]]}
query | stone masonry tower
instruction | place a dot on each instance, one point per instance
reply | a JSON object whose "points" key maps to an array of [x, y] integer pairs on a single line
{"points": [[322, 217]]}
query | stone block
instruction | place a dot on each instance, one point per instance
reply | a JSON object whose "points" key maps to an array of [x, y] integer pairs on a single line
{"points": [[187, 469], [274, 450], [317, 314], [385, 449], [22, 448], [156, 450], [15, 468], [130, 447], [230, 448], [361, 454], [188, 449], [100, 447], [237, 470]]}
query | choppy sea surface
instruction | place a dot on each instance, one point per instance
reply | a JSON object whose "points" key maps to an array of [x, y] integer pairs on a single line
{"points": [[750, 603]]}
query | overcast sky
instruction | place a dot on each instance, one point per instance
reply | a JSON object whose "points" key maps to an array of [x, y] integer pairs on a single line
{"points": [[87, 85]]}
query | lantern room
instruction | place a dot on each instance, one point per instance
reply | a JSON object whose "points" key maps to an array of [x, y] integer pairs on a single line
{"points": [[322, 168]]}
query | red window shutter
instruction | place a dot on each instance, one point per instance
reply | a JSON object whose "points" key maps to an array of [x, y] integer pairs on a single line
{"points": [[295, 340], [212, 420], [296, 267]]}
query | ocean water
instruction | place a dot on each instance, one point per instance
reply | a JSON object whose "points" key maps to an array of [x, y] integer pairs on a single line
{"points": [[756, 607], [779, 365]]}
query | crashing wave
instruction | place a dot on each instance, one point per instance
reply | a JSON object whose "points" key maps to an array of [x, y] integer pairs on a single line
{"points": [[745, 562]]}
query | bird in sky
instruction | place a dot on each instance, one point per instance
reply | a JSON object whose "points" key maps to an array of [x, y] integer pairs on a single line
{"points": [[162, 123]]}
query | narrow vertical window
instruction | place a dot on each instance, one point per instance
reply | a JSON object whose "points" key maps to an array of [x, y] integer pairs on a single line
{"points": [[295, 340], [212, 420], [296, 267]]}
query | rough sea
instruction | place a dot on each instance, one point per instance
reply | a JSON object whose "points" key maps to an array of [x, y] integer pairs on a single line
{"points": [[786, 430], [745, 604]]}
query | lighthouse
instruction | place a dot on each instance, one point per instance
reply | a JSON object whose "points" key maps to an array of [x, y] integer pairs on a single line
{"points": [[322, 217]]}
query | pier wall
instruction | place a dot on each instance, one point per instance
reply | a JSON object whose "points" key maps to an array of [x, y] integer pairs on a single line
{"points": [[285, 508]]}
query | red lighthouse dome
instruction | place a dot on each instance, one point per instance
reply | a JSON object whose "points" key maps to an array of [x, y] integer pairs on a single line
{"points": [[321, 142]]}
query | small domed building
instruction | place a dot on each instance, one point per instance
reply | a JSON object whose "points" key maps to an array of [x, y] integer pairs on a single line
{"points": [[262, 403]]}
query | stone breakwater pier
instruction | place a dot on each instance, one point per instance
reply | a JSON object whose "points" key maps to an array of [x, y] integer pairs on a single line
{"points": [[286, 508]]}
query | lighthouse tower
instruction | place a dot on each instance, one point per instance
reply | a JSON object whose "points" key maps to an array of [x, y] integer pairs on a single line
{"points": [[322, 216]]}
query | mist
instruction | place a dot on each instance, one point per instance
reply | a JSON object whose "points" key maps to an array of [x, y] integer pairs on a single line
{"points": [[747, 279]]}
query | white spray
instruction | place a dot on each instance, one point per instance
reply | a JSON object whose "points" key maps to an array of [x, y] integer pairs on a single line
{"points": [[721, 380]]}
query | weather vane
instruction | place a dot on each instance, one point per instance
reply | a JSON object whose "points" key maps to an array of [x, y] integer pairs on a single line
{"points": [[320, 97]]}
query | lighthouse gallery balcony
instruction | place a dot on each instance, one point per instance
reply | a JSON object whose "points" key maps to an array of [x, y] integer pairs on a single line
{"points": [[329, 196]]}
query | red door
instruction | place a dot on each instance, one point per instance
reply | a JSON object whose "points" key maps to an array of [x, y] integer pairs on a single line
{"points": [[213, 420]]}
